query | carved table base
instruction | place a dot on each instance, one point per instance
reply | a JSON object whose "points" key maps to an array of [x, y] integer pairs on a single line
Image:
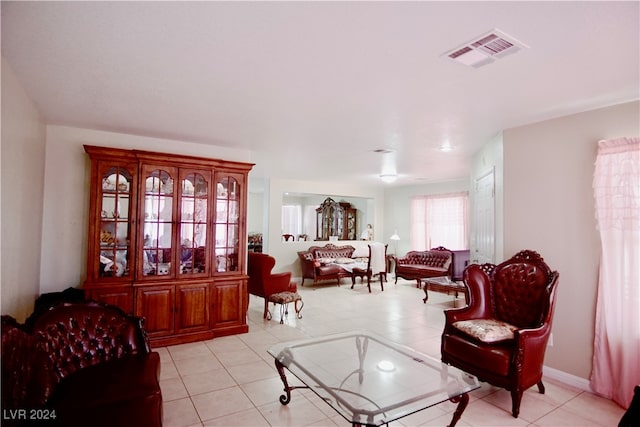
{"points": [[462, 400]]}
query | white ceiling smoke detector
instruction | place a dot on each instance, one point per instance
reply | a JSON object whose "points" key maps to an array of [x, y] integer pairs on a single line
{"points": [[485, 49]]}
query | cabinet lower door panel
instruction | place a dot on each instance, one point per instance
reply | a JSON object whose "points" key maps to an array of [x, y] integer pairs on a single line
{"points": [[192, 308], [228, 303], [119, 296], [157, 305]]}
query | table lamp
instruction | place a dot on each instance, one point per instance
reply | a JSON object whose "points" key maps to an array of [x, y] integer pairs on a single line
{"points": [[395, 238]]}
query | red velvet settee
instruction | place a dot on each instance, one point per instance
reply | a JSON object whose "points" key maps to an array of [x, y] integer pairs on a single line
{"points": [[317, 262], [79, 364]]}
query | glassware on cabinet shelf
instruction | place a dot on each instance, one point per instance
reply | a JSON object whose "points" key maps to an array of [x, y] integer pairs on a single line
{"points": [[114, 239], [158, 224], [227, 224], [193, 224]]}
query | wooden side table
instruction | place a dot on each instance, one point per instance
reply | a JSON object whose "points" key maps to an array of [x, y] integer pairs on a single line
{"points": [[443, 284]]}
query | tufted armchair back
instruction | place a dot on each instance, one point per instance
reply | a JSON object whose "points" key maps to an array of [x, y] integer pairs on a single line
{"points": [[75, 336], [521, 290]]}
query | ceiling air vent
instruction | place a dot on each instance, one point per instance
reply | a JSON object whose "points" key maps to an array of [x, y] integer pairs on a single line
{"points": [[485, 49]]}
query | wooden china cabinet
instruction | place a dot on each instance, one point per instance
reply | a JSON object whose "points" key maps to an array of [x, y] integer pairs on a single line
{"points": [[167, 240], [336, 219]]}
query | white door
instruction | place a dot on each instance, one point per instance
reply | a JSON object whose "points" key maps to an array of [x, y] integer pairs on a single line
{"points": [[484, 243]]}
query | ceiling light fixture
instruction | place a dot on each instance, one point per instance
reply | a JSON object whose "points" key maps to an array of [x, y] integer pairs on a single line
{"points": [[445, 147], [388, 177]]}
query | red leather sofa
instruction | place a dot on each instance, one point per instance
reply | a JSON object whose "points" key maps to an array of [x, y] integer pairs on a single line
{"points": [[79, 364], [317, 263], [420, 265]]}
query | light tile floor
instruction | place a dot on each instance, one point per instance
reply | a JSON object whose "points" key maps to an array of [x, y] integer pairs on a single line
{"points": [[232, 381]]}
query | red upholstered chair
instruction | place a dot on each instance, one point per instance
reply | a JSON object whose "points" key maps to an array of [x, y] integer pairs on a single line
{"points": [[502, 334], [262, 283], [87, 363]]}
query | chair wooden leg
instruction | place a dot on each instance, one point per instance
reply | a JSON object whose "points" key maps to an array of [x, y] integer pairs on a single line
{"points": [[266, 308], [516, 397], [541, 387]]}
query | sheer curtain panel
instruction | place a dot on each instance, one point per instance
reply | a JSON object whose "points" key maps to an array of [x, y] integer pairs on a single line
{"points": [[440, 220], [616, 353], [291, 219]]}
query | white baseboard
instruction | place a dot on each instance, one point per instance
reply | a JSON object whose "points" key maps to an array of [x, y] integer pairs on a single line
{"points": [[566, 378]]}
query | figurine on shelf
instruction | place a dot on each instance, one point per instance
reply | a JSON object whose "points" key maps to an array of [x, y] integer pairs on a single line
{"points": [[368, 233]]}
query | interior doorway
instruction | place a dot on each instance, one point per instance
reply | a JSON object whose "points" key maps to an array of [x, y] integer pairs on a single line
{"points": [[484, 224]]}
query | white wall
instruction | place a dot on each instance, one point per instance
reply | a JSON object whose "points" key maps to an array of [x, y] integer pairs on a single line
{"points": [[66, 195], [285, 253], [549, 208], [23, 154]]}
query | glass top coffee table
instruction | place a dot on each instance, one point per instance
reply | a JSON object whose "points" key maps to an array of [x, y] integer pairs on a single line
{"points": [[370, 380]]}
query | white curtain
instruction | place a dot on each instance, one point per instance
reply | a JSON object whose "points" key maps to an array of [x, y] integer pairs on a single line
{"points": [[292, 219], [616, 354], [309, 222], [440, 220]]}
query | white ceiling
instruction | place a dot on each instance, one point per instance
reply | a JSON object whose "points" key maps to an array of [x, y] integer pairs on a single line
{"points": [[314, 87]]}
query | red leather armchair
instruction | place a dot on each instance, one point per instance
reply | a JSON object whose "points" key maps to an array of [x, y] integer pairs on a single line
{"points": [[501, 335], [262, 283], [80, 364]]}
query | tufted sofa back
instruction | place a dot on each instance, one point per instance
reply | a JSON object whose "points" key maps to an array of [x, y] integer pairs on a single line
{"points": [[432, 258], [521, 289], [332, 251]]}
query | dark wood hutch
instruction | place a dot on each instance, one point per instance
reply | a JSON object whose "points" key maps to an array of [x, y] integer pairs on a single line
{"points": [[167, 241]]}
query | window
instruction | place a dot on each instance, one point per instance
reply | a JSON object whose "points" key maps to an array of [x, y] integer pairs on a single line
{"points": [[440, 220]]}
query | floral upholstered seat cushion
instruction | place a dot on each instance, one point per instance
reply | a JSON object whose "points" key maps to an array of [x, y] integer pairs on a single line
{"points": [[284, 297], [486, 330]]}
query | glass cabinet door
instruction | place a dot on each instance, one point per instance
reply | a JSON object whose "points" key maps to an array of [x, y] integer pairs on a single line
{"points": [[227, 223], [194, 217], [157, 211], [115, 213]]}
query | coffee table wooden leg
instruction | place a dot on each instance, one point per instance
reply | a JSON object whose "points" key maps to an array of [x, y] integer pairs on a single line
{"points": [[463, 401], [426, 294]]}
